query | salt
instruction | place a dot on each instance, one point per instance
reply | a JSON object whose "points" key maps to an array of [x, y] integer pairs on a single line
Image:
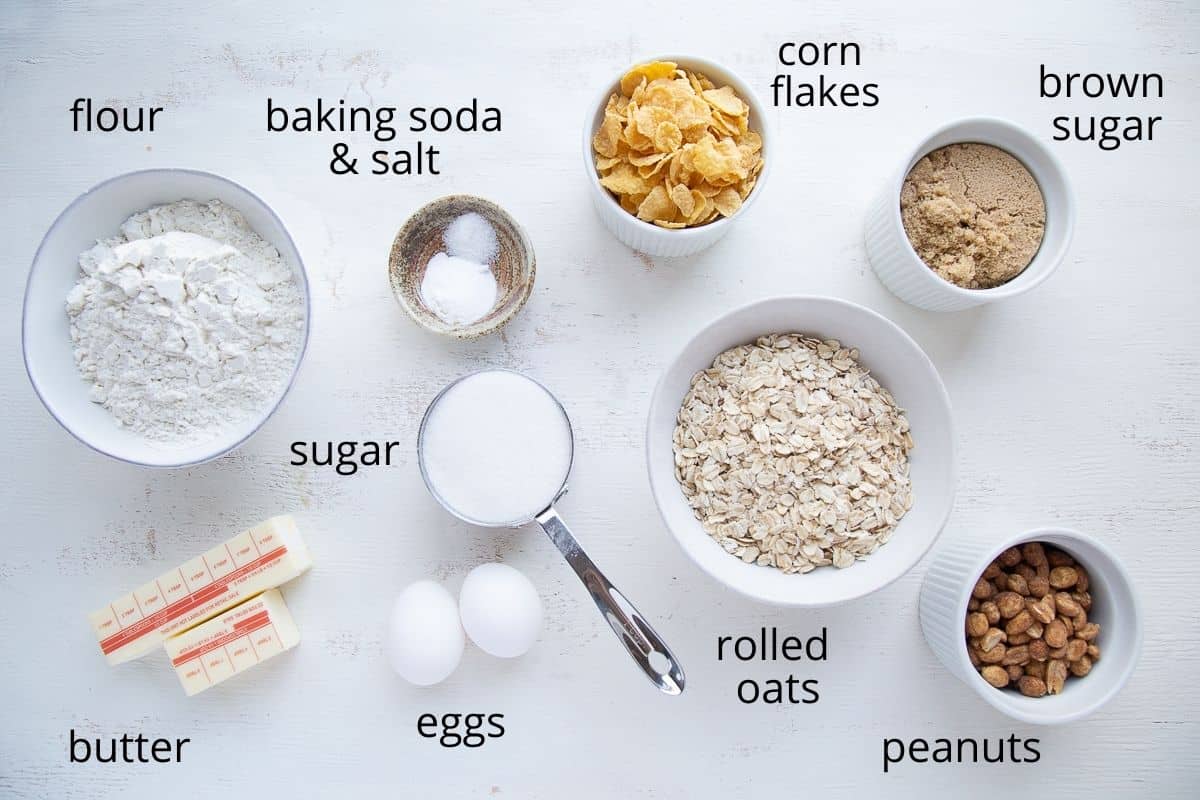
{"points": [[471, 237], [458, 285], [496, 448]]}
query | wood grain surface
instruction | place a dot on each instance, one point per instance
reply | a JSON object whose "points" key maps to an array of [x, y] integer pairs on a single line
{"points": [[1078, 404]]}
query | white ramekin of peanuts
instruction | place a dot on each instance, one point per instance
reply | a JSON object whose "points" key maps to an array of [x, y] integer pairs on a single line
{"points": [[1043, 625]]}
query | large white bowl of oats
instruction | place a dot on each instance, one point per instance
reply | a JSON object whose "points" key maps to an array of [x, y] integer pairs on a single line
{"points": [[801, 451]]}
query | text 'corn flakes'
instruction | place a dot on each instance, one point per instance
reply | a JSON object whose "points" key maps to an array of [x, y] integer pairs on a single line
{"points": [[676, 150]]}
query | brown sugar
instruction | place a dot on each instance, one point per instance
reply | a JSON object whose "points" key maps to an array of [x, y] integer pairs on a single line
{"points": [[973, 213]]}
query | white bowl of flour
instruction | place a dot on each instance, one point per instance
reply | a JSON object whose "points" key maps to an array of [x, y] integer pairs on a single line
{"points": [[165, 317]]}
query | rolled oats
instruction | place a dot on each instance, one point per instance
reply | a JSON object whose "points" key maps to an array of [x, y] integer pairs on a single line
{"points": [[792, 456]]}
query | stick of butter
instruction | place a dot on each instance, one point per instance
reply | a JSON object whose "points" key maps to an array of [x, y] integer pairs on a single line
{"points": [[233, 642], [261, 558]]}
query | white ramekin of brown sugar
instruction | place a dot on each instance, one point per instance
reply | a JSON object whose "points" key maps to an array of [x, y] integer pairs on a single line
{"points": [[900, 268]]}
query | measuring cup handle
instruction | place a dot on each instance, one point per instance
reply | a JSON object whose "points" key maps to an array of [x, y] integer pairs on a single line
{"points": [[630, 627]]}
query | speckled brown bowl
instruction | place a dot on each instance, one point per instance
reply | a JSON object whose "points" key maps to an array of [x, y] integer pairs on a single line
{"points": [[421, 239]]}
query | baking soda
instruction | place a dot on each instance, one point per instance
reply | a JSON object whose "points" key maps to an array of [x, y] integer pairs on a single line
{"points": [[458, 290], [496, 448]]}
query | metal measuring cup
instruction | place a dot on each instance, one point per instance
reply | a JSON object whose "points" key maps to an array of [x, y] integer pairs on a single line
{"points": [[644, 645]]}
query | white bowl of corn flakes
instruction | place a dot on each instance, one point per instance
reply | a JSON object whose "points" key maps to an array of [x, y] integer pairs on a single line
{"points": [[675, 149]]}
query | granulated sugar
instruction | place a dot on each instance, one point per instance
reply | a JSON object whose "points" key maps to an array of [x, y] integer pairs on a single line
{"points": [[496, 448]]}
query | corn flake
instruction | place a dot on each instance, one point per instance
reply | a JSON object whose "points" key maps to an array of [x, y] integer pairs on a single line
{"points": [[657, 206], [675, 149], [646, 73], [728, 202], [682, 197]]}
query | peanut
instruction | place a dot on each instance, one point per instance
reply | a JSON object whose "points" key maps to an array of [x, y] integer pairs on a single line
{"points": [[983, 589], [1082, 581], [1043, 610], [993, 656], [996, 676], [1076, 649], [1010, 557], [1066, 605], [992, 637], [1056, 634], [1058, 558], [1063, 577], [1039, 650], [1009, 603], [1027, 621], [1016, 655], [1056, 676], [1019, 624]]}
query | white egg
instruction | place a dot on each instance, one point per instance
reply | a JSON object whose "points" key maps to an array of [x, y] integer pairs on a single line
{"points": [[501, 610], [425, 637]]}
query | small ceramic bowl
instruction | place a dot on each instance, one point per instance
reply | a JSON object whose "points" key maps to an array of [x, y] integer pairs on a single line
{"points": [[952, 574], [45, 330], [908, 277], [421, 239], [647, 237], [901, 367]]}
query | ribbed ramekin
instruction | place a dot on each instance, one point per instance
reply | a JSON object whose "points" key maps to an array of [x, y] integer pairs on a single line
{"points": [[957, 565], [908, 277], [647, 237]]}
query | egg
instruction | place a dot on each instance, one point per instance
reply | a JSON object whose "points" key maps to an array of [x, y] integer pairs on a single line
{"points": [[425, 638], [500, 609]]}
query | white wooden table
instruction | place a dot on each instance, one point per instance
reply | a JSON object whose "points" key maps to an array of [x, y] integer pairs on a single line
{"points": [[1078, 404]]}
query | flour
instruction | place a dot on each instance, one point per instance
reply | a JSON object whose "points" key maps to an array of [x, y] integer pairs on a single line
{"points": [[186, 324]]}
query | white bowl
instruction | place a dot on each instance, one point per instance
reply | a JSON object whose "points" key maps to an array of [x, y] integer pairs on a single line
{"points": [[901, 367], [952, 574], [46, 340], [646, 237], [908, 277]]}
